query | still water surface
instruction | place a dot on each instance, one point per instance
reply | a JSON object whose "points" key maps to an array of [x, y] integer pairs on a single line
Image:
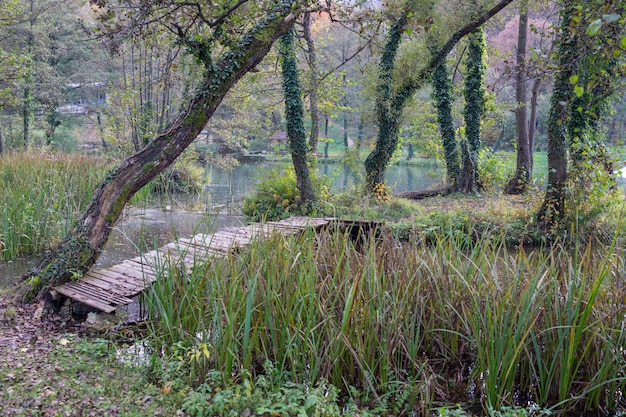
{"points": [[146, 228]]}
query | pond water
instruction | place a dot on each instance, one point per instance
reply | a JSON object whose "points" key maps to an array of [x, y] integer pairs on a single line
{"points": [[229, 187], [150, 227]]}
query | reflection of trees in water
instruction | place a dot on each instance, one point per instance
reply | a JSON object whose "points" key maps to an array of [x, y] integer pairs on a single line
{"points": [[231, 186]]}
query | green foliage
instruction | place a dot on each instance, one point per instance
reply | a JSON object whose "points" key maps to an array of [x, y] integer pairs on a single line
{"points": [[275, 197], [493, 169], [185, 176], [266, 394]]}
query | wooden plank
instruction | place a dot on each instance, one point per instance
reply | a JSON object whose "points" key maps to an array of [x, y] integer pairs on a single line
{"points": [[209, 244], [117, 281], [109, 284], [137, 277], [98, 293], [137, 270], [90, 295], [147, 270], [86, 300]]}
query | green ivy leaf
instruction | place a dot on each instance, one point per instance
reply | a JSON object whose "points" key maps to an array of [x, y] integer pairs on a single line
{"points": [[594, 27], [409, 31], [579, 90], [573, 79], [611, 17], [623, 43]]}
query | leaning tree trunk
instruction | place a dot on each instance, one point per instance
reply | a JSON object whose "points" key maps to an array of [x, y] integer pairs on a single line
{"points": [[523, 167], [387, 116], [294, 114], [81, 247]]}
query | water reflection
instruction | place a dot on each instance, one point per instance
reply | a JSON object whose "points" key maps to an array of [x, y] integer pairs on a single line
{"points": [[229, 187]]}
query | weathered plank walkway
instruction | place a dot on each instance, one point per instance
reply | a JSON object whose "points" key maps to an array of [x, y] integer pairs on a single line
{"points": [[106, 289]]}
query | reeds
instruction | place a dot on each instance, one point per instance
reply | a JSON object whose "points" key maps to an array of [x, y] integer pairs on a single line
{"points": [[41, 196], [417, 324]]}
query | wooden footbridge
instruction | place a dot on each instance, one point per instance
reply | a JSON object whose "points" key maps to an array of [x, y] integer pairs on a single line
{"points": [[106, 289]]}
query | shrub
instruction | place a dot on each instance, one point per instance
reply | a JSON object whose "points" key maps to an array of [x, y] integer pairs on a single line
{"points": [[275, 198]]}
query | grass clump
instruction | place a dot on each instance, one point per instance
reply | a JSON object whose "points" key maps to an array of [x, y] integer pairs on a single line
{"points": [[401, 329], [41, 196]]}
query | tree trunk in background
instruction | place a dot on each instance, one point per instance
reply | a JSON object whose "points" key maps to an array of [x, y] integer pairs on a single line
{"points": [[474, 93], [294, 115], [553, 208], [442, 95], [27, 106], [344, 103], [532, 122], [523, 167], [387, 115], [327, 143], [27, 111], [81, 247], [359, 137], [313, 84], [101, 129]]}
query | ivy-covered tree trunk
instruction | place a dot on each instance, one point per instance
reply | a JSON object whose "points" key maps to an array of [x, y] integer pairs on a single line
{"points": [[523, 165], [442, 95], [553, 207], [294, 114], [81, 247], [390, 101], [388, 110], [474, 93]]}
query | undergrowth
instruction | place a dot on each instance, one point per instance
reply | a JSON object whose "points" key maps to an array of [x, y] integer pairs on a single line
{"points": [[396, 329]]}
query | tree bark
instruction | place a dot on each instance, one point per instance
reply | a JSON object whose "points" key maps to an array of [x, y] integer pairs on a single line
{"points": [[81, 247], [532, 122], [523, 166], [442, 95], [553, 207], [327, 143], [474, 93], [294, 114]]}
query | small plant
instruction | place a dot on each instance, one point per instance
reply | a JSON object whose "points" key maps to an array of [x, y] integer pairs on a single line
{"points": [[382, 194]]}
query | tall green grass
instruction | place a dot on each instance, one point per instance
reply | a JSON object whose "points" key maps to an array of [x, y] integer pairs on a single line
{"points": [[41, 196], [415, 325]]}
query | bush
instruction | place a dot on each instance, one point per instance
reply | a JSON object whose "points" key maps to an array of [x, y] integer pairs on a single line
{"points": [[275, 198], [492, 169]]}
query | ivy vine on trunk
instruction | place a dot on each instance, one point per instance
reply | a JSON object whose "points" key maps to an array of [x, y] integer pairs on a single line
{"points": [[294, 115], [474, 93], [443, 98]]}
